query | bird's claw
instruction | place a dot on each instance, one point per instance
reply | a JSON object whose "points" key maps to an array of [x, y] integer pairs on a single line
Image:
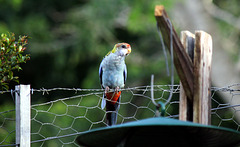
{"points": [[107, 89], [117, 89]]}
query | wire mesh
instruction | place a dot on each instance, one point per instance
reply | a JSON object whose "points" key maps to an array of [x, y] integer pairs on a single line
{"points": [[71, 115], [7, 127], [59, 120]]}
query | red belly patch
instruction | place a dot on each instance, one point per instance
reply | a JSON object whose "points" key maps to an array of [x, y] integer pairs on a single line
{"points": [[113, 96]]}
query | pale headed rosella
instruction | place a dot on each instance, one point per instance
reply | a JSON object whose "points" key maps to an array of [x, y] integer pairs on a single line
{"points": [[113, 75]]}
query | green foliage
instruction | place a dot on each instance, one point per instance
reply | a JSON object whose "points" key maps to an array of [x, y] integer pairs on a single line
{"points": [[229, 6], [11, 56], [70, 38]]}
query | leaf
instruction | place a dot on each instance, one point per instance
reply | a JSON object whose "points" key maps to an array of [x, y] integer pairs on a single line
{"points": [[10, 75]]}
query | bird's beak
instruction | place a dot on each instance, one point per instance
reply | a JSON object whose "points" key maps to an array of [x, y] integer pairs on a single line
{"points": [[129, 51]]}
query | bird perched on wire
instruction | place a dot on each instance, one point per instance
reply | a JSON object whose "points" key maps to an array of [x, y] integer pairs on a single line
{"points": [[113, 75]]}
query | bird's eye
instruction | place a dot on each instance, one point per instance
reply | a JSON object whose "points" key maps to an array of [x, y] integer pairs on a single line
{"points": [[123, 46]]}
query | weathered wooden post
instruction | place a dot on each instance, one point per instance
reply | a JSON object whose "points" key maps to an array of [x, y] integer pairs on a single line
{"points": [[202, 78], [192, 59], [186, 104], [182, 62]]}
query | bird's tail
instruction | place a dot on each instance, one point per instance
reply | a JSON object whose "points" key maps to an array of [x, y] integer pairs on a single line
{"points": [[112, 110]]}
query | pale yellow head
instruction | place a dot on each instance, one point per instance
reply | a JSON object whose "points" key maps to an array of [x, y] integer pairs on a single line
{"points": [[121, 49]]}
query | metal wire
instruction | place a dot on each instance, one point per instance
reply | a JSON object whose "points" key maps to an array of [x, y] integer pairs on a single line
{"points": [[172, 64], [172, 68], [73, 113]]}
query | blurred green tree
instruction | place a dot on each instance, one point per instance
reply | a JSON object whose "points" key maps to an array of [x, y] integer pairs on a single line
{"points": [[70, 38]]}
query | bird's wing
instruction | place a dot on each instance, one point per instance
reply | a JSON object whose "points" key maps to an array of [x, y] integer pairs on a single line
{"points": [[100, 72], [103, 103], [125, 73]]}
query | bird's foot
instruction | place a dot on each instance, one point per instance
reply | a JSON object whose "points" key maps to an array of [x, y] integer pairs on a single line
{"points": [[107, 89], [117, 89]]}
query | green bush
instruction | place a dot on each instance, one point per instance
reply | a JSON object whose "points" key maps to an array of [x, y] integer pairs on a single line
{"points": [[11, 56]]}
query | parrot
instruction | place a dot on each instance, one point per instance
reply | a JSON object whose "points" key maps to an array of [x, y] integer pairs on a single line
{"points": [[113, 75]]}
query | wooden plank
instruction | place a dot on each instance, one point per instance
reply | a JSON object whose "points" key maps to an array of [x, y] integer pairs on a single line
{"points": [[23, 115], [182, 62], [182, 104], [202, 80], [185, 105]]}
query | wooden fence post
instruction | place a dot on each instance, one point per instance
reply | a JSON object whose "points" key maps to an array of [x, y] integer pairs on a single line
{"points": [[186, 104], [202, 80], [193, 70], [23, 115], [182, 62]]}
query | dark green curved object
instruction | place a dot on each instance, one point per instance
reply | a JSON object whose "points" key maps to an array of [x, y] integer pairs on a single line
{"points": [[161, 132]]}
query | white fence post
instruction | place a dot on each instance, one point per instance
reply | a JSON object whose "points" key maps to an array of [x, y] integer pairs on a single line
{"points": [[23, 115]]}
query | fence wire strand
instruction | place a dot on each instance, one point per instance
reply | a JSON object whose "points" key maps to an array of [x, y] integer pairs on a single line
{"points": [[59, 121]]}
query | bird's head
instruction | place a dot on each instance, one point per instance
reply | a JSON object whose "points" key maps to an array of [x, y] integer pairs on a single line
{"points": [[121, 49]]}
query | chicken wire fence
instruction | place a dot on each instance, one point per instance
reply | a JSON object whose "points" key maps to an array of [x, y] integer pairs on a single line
{"points": [[58, 121]]}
